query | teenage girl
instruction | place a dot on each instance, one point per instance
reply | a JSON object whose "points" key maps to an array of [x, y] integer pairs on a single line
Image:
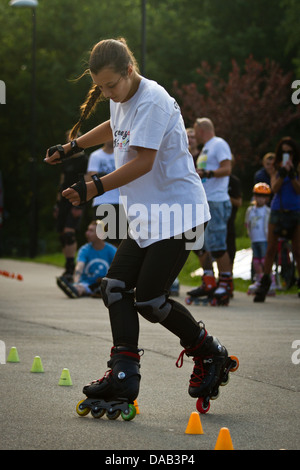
{"points": [[154, 169]]}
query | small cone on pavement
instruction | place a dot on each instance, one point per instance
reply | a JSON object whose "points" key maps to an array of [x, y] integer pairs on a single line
{"points": [[224, 441], [136, 407], [13, 355], [37, 365], [65, 378], [194, 425]]}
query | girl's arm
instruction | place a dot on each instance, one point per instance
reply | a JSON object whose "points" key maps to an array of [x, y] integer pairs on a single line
{"points": [[132, 170], [97, 136]]}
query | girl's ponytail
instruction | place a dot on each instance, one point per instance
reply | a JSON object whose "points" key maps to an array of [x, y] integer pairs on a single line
{"points": [[94, 96]]}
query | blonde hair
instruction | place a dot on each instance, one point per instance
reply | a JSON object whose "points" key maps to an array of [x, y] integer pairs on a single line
{"points": [[110, 53]]}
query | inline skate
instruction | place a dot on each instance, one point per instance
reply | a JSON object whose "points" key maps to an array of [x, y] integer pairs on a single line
{"points": [[115, 392], [211, 369], [203, 294], [253, 287], [263, 288], [224, 292]]}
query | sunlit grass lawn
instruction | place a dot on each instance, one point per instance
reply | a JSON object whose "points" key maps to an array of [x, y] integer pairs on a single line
{"points": [[185, 278]]}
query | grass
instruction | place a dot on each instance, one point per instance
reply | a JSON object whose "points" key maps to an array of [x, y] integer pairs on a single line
{"points": [[185, 278], [192, 264]]}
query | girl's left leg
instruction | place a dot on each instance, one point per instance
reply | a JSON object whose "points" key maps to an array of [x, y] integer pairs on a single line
{"points": [[161, 265]]}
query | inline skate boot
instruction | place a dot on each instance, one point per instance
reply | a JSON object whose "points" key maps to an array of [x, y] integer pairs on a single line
{"points": [[223, 292], [115, 392], [263, 288], [204, 293], [253, 287], [211, 369]]}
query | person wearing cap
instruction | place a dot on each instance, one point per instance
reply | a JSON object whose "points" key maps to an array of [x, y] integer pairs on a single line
{"points": [[256, 221]]}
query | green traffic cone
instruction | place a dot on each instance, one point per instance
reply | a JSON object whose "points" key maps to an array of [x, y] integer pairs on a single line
{"points": [[65, 378], [13, 355], [37, 365]]}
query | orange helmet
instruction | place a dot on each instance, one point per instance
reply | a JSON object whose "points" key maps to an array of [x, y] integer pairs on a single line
{"points": [[262, 188]]}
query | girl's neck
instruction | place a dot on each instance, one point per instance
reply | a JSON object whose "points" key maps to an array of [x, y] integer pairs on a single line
{"points": [[136, 80]]}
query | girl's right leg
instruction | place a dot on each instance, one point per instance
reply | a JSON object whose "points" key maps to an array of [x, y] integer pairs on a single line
{"points": [[122, 380]]}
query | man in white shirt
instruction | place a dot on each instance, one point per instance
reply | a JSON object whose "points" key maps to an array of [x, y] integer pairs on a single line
{"points": [[214, 169]]}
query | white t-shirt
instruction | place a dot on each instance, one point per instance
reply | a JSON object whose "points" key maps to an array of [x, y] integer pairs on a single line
{"points": [[256, 220], [103, 162], [152, 119], [213, 153]]}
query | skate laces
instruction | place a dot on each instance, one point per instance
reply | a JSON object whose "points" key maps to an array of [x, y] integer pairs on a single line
{"points": [[105, 376], [199, 371], [180, 358], [189, 351]]}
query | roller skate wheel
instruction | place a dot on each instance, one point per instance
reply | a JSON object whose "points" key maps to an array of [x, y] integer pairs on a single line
{"points": [[113, 414], [82, 411], [97, 413], [188, 301], [225, 381], [236, 366], [130, 415], [215, 395], [201, 407]]}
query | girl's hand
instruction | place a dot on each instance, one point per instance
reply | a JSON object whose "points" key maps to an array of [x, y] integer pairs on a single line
{"points": [[56, 154], [73, 196]]}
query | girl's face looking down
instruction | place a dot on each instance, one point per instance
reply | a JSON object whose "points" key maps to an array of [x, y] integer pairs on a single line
{"points": [[117, 87]]}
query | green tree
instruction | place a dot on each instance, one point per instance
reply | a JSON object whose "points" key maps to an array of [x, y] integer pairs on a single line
{"points": [[180, 35]]}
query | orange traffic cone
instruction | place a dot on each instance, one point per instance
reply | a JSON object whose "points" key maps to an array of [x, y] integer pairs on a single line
{"points": [[194, 425], [136, 407], [224, 441]]}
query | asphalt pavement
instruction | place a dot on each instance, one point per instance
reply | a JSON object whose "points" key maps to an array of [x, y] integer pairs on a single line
{"points": [[259, 406]]}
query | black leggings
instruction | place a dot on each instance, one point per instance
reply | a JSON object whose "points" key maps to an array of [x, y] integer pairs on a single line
{"points": [[151, 272]]}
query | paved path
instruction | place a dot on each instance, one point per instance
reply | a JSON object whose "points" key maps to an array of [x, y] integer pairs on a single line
{"points": [[260, 406]]}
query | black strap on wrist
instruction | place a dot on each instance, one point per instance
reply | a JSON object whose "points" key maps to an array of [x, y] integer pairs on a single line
{"points": [[74, 149], [98, 184]]}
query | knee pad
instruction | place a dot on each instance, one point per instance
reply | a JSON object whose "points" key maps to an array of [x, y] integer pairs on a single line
{"points": [[218, 254], [67, 238], [154, 310], [113, 290]]}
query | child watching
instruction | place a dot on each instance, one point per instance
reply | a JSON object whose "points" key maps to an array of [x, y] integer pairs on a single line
{"points": [[256, 221]]}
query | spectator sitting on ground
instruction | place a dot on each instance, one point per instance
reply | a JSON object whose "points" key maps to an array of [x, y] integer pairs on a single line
{"points": [[93, 260]]}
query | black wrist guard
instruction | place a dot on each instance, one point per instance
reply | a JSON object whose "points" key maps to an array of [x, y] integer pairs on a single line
{"points": [[74, 149], [207, 174], [98, 184], [57, 148]]}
